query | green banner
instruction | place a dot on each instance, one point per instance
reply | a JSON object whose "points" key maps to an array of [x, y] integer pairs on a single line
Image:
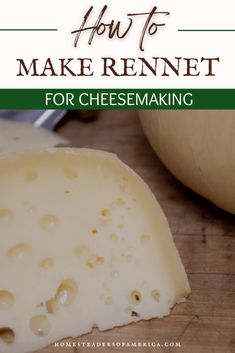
{"points": [[117, 99]]}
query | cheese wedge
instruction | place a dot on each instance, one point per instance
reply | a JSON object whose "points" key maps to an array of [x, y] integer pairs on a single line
{"points": [[19, 136], [84, 243]]}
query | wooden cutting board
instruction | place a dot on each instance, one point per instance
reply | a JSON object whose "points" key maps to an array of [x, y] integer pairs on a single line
{"points": [[204, 236]]}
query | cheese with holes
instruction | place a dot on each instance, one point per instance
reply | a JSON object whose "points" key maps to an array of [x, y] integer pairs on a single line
{"points": [[84, 243], [19, 136]]}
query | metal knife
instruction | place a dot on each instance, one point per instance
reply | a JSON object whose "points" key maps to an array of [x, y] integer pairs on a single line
{"points": [[47, 119]]}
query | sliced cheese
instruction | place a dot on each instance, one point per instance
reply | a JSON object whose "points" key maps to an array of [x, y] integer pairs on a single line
{"points": [[19, 136], [84, 243]]}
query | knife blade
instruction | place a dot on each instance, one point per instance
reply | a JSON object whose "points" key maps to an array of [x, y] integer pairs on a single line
{"points": [[47, 119]]}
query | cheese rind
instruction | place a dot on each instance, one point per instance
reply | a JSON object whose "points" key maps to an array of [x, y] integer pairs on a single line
{"points": [[83, 243], [198, 147], [20, 136]]}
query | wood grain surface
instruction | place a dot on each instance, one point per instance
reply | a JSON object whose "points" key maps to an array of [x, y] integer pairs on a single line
{"points": [[204, 236]]}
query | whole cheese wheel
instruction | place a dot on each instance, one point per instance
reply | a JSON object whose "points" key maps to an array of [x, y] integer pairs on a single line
{"points": [[198, 147], [83, 243]]}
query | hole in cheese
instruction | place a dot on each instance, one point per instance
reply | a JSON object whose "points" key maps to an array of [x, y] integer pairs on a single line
{"points": [[134, 314], [135, 297], [65, 295], [46, 263], [49, 222], [52, 306], [28, 207], [67, 292], [105, 213], [20, 253], [119, 202], [40, 325], [114, 237], [99, 260], [82, 251], [90, 264], [6, 215], [144, 239], [7, 335], [109, 300], [124, 178], [95, 261], [129, 311], [155, 295], [6, 300]]}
